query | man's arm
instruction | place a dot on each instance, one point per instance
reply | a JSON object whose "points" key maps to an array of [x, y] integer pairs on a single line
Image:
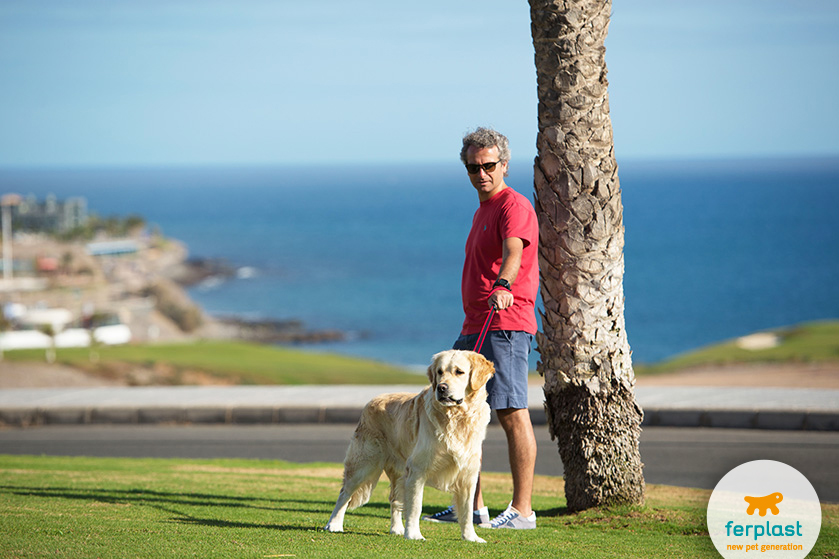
{"points": [[510, 266]]}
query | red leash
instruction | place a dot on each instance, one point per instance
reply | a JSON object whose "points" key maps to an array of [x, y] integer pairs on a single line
{"points": [[484, 330]]}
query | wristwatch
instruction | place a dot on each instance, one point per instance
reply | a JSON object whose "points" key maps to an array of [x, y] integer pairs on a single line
{"points": [[503, 283]]}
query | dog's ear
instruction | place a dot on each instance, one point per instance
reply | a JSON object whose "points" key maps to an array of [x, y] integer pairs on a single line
{"points": [[482, 370], [432, 369]]}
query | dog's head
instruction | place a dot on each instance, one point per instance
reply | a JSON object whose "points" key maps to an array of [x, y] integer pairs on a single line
{"points": [[455, 375]]}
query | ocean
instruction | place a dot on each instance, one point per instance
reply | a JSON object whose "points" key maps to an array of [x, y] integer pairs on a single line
{"points": [[714, 249]]}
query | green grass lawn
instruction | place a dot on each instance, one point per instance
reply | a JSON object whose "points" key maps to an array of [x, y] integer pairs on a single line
{"points": [[107, 507], [243, 363], [812, 342]]}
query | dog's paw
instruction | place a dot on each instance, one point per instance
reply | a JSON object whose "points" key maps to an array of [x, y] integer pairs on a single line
{"points": [[334, 527], [474, 538], [398, 530], [413, 535]]}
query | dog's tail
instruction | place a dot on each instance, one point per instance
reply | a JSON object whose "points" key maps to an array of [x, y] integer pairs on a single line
{"points": [[362, 494]]}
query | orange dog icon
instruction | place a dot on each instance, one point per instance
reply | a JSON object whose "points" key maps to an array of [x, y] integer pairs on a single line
{"points": [[769, 502]]}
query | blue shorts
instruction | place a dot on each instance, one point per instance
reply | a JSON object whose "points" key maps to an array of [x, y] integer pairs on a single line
{"points": [[509, 351]]}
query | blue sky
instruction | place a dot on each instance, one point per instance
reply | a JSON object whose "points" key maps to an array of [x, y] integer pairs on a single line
{"points": [[161, 82]]}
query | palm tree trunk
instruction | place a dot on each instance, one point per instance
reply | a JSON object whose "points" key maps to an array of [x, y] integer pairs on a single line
{"points": [[585, 356]]}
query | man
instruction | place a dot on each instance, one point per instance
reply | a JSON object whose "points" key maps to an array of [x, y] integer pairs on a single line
{"points": [[501, 270]]}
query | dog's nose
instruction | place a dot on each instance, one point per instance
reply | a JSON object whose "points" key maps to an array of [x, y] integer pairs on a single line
{"points": [[442, 388]]}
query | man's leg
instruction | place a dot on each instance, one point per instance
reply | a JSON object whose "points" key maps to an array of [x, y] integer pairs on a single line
{"points": [[479, 497], [521, 446]]}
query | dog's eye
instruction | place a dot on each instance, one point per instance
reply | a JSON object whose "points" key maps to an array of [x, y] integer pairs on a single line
{"points": [[459, 372], [440, 372]]}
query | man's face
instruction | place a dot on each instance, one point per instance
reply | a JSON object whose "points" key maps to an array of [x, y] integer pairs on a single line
{"points": [[487, 183]]}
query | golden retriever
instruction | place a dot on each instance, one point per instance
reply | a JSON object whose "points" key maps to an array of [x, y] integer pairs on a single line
{"points": [[432, 438]]}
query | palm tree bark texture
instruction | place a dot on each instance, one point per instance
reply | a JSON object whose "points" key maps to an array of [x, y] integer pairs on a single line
{"points": [[585, 355]]}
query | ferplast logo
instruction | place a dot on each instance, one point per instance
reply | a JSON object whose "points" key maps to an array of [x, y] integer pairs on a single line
{"points": [[764, 507], [769, 502], [762, 504]]}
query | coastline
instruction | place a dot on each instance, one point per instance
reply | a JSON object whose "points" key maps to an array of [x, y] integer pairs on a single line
{"points": [[147, 290]]}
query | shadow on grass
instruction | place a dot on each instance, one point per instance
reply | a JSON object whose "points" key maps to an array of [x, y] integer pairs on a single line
{"points": [[141, 496], [145, 496], [555, 512], [215, 523], [183, 518], [166, 501]]}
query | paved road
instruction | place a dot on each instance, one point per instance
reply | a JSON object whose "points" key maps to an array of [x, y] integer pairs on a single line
{"points": [[673, 456]]}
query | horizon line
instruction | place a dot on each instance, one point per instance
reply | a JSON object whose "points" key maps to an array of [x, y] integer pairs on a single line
{"points": [[718, 158]]}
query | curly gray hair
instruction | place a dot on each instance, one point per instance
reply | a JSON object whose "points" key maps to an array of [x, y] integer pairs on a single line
{"points": [[486, 138]]}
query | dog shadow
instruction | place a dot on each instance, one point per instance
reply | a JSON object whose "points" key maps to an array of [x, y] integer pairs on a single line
{"points": [[168, 502]]}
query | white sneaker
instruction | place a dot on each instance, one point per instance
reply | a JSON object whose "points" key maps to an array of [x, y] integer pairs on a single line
{"points": [[511, 518]]}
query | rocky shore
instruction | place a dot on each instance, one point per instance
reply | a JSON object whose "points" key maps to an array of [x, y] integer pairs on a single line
{"points": [[194, 271], [147, 290], [274, 331]]}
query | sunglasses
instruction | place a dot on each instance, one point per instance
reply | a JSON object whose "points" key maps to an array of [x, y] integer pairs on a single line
{"points": [[473, 168]]}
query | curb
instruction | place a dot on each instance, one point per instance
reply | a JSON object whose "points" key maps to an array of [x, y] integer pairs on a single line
{"points": [[274, 415], [738, 419]]}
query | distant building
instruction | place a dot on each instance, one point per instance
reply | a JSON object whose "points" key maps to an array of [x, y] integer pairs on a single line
{"points": [[51, 215], [113, 248]]}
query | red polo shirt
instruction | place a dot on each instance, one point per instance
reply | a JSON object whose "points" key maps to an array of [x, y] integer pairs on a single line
{"points": [[507, 214]]}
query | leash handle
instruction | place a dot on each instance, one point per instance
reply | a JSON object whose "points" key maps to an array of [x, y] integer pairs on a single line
{"points": [[484, 330]]}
